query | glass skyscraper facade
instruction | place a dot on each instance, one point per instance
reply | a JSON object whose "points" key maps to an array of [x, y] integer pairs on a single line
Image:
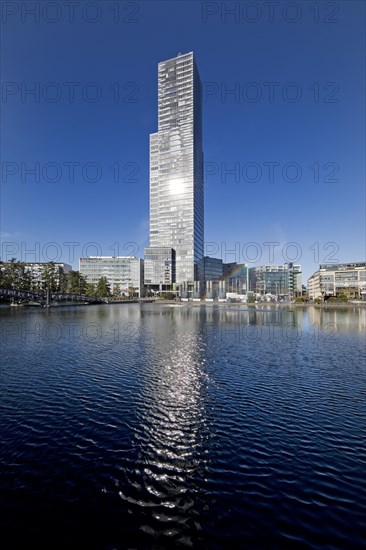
{"points": [[176, 168], [159, 266]]}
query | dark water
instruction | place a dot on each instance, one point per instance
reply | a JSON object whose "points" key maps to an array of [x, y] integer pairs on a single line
{"points": [[150, 426]]}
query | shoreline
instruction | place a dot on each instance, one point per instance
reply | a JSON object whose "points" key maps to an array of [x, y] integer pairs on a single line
{"points": [[173, 303], [262, 304]]}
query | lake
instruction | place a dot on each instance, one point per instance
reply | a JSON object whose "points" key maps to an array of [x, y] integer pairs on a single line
{"points": [[159, 426]]}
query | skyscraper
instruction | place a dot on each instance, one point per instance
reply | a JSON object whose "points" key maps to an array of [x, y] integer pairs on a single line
{"points": [[176, 168]]}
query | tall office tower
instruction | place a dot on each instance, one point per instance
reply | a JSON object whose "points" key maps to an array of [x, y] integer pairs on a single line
{"points": [[176, 168]]}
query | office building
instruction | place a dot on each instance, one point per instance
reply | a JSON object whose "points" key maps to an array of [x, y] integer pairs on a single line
{"points": [[347, 279], [279, 280], [125, 271], [159, 268], [294, 280], [38, 268], [236, 278], [176, 170], [213, 268], [213, 273]]}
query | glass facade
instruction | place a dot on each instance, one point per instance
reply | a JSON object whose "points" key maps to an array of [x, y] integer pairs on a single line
{"points": [[214, 269], [176, 168], [159, 266], [278, 280], [236, 278]]}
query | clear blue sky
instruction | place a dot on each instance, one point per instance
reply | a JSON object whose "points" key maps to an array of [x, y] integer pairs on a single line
{"points": [[313, 116]]}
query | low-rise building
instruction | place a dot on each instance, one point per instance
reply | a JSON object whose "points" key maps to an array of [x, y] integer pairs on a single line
{"points": [[38, 267], [125, 271], [280, 280], [346, 279]]}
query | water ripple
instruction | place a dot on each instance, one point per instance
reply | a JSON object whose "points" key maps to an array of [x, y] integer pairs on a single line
{"points": [[183, 433]]}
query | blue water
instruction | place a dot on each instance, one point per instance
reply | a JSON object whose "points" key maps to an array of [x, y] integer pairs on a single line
{"points": [[150, 426]]}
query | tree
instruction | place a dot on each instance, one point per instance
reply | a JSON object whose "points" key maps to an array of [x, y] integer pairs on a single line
{"points": [[50, 277], [15, 275], [25, 277], [117, 291], [12, 272], [168, 295], [2, 275], [6, 276], [76, 283], [131, 291], [63, 281], [89, 289], [103, 288]]}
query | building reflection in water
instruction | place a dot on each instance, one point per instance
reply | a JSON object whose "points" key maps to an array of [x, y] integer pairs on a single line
{"points": [[175, 430], [300, 319], [170, 434], [342, 318]]}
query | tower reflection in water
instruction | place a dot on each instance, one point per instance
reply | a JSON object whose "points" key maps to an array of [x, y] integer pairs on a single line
{"points": [[171, 433]]}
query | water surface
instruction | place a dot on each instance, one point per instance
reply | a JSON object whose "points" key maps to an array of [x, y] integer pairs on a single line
{"points": [[141, 426]]}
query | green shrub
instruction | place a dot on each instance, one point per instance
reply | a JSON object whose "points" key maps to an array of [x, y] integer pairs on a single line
{"points": [[168, 296]]}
